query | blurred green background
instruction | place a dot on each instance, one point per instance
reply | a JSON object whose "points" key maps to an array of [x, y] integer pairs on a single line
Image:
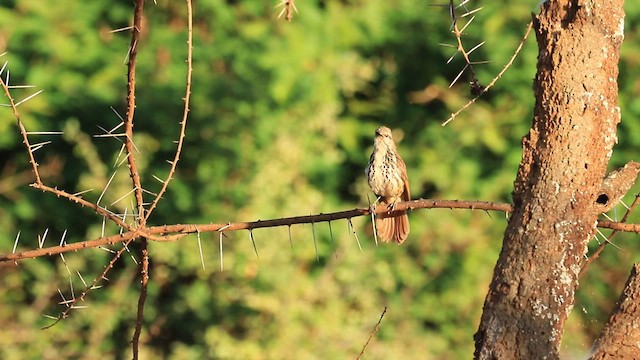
{"points": [[281, 124]]}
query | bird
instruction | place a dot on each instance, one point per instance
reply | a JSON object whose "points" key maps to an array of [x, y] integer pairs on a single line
{"points": [[387, 176]]}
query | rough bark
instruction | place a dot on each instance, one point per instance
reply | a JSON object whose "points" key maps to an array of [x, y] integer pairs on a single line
{"points": [[565, 156], [620, 338]]}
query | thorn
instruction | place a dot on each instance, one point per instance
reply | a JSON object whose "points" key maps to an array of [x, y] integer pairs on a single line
{"points": [[373, 219], [467, 24], [452, 57], [315, 243], [471, 12], [333, 243], [124, 196], [625, 205], [109, 135], [104, 220], [119, 117], [15, 244], [44, 236], [221, 254], [38, 146], [607, 216], [82, 279], [200, 249], [64, 301], [82, 192], [149, 192], [20, 86], [44, 132], [255, 249], [106, 249], [350, 226], [459, 74], [64, 233], [475, 48], [28, 97], [290, 238], [462, 4], [121, 29], [607, 240], [105, 189]]}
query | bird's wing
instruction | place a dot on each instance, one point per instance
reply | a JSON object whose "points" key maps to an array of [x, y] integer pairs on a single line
{"points": [[406, 194]]}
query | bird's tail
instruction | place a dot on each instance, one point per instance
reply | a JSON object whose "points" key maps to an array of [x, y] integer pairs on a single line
{"points": [[393, 226]]}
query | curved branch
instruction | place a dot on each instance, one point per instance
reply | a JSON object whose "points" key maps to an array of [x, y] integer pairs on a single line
{"points": [[183, 123]]}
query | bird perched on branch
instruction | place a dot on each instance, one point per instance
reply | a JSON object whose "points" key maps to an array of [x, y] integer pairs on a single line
{"points": [[387, 175]]}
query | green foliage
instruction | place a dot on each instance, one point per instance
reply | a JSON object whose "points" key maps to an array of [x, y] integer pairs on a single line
{"points": [[281, 124]]}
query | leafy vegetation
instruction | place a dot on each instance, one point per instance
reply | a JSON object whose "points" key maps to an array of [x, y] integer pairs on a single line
{"points": [[281, 124]]}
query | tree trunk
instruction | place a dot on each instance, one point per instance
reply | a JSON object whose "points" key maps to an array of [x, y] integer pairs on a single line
{"points": [[564, 161], [620, 338]]}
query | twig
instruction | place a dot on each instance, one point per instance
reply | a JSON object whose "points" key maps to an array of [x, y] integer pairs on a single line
{"points": [[622, 226], [288, 8], [94, 285], [457, 32], [495, 79], [23, 131], [185, 112], [373, 332]]}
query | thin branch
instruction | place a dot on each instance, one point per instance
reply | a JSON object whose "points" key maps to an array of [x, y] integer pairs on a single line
{"points": [[495, 79], [131, 105], [185, 112], [621, 226], [288, 8], [94, 285], [178, 231], [78, 200], [144, 282], [134, 172], [373, 332], [457, 32], [23, 130]]}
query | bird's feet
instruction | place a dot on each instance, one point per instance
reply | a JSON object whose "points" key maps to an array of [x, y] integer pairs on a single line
{"points": [[372, 207]]}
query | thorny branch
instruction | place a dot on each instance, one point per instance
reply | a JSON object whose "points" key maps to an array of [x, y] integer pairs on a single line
{"points": [[623, 226], [185, 113], [178, 231], [23, 130], [495, 79], [476, 87], [288, 8], [71, 304], [134, 172], [131, 106]]}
